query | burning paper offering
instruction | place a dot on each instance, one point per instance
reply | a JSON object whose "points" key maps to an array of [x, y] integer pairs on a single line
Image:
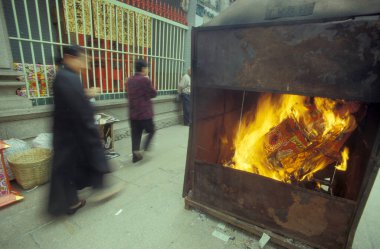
{"points": [[288, 138]]}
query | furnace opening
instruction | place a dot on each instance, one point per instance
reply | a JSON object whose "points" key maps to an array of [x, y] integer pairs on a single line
{"points": [[313, 142]]}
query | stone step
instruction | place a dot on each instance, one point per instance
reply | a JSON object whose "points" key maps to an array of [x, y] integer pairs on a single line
{"points": [[14, 102], [10, 73], [9, 87], [11, 83]]}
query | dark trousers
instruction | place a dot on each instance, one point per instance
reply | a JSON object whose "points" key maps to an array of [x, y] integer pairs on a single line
{"points": [[186, 108], [137, 127]]}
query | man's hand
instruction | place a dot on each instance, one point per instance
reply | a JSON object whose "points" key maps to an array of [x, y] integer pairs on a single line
{"points": [[92, 92]]}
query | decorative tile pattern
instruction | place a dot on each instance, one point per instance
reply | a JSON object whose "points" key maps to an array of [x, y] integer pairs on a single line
{"points": [[108, 96], [122, 28], [82, 22], [144, 30], [104, 16], [36, 78], [159, 124]]}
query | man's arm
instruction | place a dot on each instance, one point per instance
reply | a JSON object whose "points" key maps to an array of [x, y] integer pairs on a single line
{"points": [[152, 93], [92, 92], [181, 85], [186, 83]]}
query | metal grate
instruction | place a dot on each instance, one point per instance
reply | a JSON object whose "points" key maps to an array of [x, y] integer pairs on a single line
{"points": [[113, 33]]}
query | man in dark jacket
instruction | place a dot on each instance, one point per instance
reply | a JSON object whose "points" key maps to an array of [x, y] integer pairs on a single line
{"points": [[79, 159], [140, 91]]}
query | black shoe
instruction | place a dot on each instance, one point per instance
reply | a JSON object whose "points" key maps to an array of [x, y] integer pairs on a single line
{"points": [[135, 160], [137, 156], [72, 211], [106, 193]]}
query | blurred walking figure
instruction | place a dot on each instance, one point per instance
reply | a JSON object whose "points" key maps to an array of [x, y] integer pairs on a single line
{"points": [[140, 92], [79, 159], [184, 89]]}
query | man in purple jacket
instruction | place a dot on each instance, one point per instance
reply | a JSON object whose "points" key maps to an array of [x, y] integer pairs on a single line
{"points": [[140, 91]]}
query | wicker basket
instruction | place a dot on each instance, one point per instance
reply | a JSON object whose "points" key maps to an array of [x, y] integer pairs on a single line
{"points": [[31, 167]]}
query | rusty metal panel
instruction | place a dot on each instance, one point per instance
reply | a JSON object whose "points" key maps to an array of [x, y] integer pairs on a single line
{"points": [[253, 11], [317, 219], [333, 59]]}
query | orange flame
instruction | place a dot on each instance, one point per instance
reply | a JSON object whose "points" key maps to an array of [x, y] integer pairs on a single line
{"points": [[289, 137], [343, 165]]}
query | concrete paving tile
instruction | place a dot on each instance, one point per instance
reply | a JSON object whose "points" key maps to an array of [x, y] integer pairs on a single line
{"points": [[149, 213], [363, 238], [133, 172], [23, 241], [198, 234], [90, 227], [148, 221], [367, 235], [24, 216]]}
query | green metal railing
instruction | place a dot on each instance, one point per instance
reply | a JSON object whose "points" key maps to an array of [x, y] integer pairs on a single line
{"points": [[94, 25]]}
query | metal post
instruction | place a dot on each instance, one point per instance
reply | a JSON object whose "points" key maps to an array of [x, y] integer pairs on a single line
{"points": [[67, 21], [167, 56], [183, 51], [170, 58], [20, 47], [76, 23], [155, 50], [117, 48], [176, 59], [159, 60], [85, 43], [179, 55], [164, 45], [128, 48], [105, 45], [138, 36], [50, 34], [76, 30], [241, 111], [92, 46], [143, 53], [32, 48], [134, 41], [42, 46], [59, 25], [178, 74], [123, 49], [151, 48], [99, 47], [112, 22]]}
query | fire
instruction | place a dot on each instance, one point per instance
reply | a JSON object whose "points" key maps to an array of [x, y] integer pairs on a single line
{"points": [[343, 165], [288, 137]]}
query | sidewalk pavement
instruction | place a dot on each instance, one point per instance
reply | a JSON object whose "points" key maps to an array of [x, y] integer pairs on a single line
{"points": [[148, 214]]}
